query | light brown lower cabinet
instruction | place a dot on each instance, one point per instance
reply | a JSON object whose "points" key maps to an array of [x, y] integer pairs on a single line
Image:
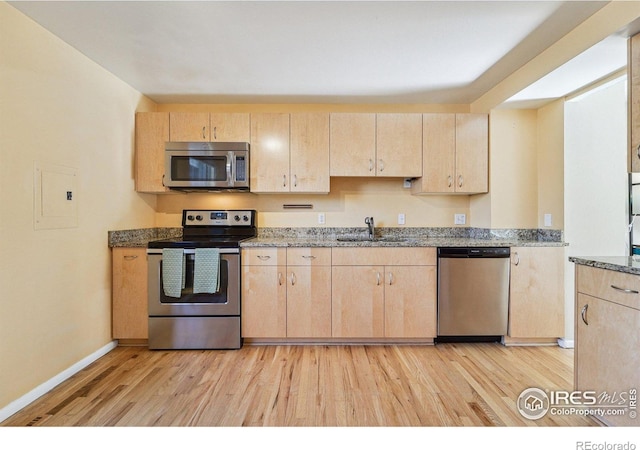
{"points": [[607, 318], [316, 293], [264, 293], [130, 319], [384, 292], [536, 294], [281, 300]]}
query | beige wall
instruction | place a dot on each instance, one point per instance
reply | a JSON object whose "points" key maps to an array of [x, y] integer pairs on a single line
{"points": [[57, 107], [348, 203], [514, 169], [550, 143], [526, 149]]}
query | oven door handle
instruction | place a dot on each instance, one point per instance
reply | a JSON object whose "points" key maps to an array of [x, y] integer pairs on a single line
{"points": [[191, 251]]}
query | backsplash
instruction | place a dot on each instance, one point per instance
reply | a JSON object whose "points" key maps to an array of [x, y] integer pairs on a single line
{"points": [[432, 232]]}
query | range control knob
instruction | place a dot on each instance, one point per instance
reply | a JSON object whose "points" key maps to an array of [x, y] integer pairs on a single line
{"points": [[198, 217], [236, 218], [245, 218], [189, 217]]}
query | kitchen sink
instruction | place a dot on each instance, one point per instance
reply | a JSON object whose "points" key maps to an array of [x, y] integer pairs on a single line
{"points": [[366, 239]]}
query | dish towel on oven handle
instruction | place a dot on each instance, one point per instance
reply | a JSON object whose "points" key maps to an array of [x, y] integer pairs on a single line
{"points": [[173, 271], [206, 271]]}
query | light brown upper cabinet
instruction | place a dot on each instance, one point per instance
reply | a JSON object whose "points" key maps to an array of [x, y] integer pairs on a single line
{"points": [[152, 131], [309, 158], [353, 145], [455, 154], [209, 127], [289, 153], [189, 127], [384, 145], [634, 103], [398, 145], [230, 127]]}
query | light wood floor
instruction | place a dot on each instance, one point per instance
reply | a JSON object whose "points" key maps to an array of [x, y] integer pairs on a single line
{"points": [[442, 385]]}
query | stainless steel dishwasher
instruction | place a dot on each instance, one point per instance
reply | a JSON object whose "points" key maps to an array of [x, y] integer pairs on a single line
{"points": [[473, 292]]}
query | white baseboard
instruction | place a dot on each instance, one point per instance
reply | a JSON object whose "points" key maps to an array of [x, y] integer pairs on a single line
{"points": [[565, 343], [45, 387]]}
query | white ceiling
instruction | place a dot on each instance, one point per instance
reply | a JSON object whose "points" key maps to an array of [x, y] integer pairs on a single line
{"points": [[326, 52]]}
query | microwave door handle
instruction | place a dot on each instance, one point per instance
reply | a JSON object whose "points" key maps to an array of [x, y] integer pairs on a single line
{"points": [[231, 168]]}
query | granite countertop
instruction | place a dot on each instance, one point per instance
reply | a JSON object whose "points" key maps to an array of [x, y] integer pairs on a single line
{"points": [[391, 242], [385, 237], [626, 264], [140, 237]]}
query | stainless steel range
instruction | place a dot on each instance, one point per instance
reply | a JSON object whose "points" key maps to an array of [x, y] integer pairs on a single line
{"points": [[194, 281]]}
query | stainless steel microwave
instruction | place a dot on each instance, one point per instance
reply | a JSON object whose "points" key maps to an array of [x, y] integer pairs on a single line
{"points": [[201, 166]]}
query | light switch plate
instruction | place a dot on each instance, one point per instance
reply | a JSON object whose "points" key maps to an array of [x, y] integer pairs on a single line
{"points": [[460, 219], [401, 219], [547, 220], [321, 218]]}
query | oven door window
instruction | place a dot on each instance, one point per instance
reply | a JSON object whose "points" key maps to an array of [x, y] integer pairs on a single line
{"points": [[199, 168], [220, 297]]}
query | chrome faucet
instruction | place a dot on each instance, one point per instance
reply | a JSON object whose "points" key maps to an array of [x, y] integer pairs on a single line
{"points": [[369, 222]]}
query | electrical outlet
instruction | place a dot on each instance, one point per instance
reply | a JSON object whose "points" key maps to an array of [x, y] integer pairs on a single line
{"points": [[321, 218], [401, 219], [407, 183], [547, 220], [459, 219]]}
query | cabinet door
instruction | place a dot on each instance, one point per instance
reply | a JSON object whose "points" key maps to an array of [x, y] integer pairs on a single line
{"points": [[309, 158], [309, 301], [152, 131], [606, 356], [264, 302], [129, 302], [189, 127], [634, 103], [399, 145], [410, 302], [439, 149], [230, 127], [352, 145], [472, 153], [357, 309], [536, 308], [270, 153]]}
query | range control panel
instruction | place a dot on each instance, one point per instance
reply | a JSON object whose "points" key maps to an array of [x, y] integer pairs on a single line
{"points": [[223, 218]]}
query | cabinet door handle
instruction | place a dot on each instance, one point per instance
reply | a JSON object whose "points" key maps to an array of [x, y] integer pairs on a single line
{"points": [[215, 133], [626, 291], [583, 313], [381, 165], [293, 278], [390, 278], [378, 278], [284, 181], [130, 257], [516, 260], [460, 180], [263, 257], [638, 151], [295, 180], [204, 129], [308, 257], [280, 278], [370, 165], [450, 180]]}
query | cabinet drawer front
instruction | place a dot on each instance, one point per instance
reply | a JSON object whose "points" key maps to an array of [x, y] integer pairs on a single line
{"points": [[618, 287], [264, 256], [308, 256], [387, 256]]}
